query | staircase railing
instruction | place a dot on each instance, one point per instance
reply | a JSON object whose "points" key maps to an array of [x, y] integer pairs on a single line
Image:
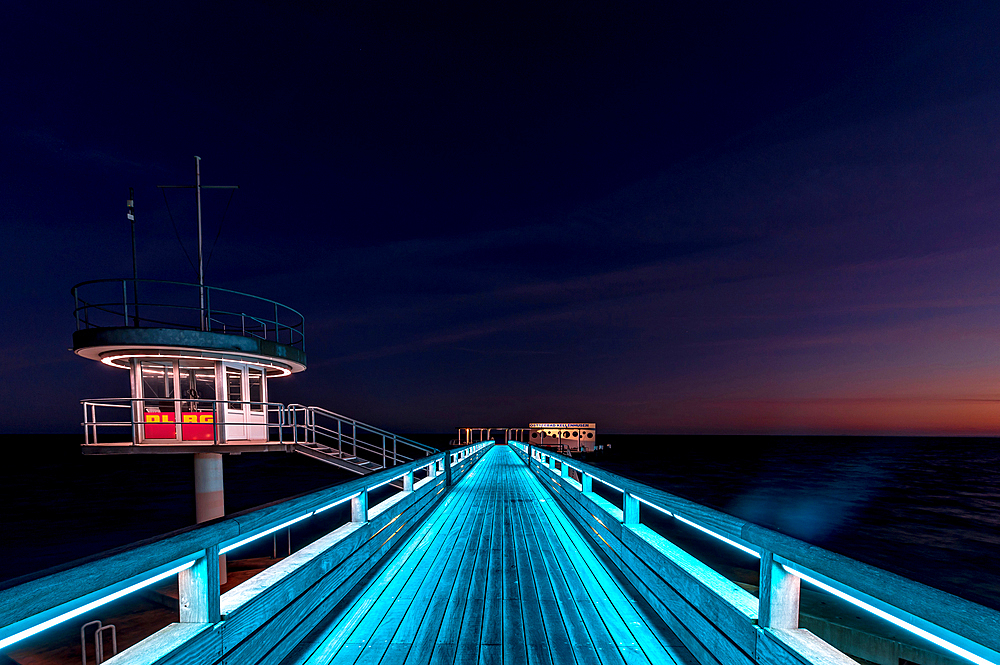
{"points": [[315, 425]]}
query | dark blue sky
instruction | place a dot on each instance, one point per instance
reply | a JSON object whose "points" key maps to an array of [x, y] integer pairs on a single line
{"points": [[709, 218]]}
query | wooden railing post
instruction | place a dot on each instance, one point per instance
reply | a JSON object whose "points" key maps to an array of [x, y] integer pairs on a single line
{"points": [[408, 481], [447, 469], [564, 471], [779, 595], [359, 507], [587, 481], [552, 462], [198, 589], [630, 509]]}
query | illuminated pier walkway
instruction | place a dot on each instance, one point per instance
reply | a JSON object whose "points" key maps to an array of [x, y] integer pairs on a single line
{"points": [[497, 574], [503, 554]]}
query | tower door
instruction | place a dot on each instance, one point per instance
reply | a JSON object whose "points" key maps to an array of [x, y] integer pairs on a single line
{"points": [[246, 397], [257, 404], [234, 378]]}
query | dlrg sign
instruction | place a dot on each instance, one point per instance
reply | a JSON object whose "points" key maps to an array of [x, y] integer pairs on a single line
{"points": [[195, 426]]}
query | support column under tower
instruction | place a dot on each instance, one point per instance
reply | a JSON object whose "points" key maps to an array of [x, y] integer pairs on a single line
{"points": [[209, 499]]}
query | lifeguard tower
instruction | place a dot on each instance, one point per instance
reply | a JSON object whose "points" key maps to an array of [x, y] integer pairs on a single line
{"points": [[200, 360]]}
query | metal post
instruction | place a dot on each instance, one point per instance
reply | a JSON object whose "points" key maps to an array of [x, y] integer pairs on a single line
{"points": [[135, 270], [201, 263], [125, 301]]}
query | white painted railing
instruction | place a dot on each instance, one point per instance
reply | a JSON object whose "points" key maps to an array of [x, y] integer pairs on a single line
{"points": [[745, 629]]}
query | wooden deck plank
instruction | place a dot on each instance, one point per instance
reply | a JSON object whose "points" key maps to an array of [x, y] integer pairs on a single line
{"points": [[492, 629], [631, 631], [585, 627], [469, 635], [402, 617], [345, 630], [496, 574], [454, 619], [546, 643], [424, 635], [565, 631], [380, 632], [514, 648], [611, 594]]}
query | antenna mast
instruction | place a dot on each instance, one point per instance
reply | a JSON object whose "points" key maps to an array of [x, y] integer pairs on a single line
{"points": [[201, 264]]}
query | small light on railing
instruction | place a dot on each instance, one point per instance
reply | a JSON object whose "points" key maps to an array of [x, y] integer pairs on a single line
{"points": [[902, 623]]}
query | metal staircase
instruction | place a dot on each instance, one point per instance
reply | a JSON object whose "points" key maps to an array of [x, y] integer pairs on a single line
{"points": [[347, 443]]}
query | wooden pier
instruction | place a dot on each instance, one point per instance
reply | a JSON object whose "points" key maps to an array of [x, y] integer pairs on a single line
{"points": [[497, 574], [498, 554]]}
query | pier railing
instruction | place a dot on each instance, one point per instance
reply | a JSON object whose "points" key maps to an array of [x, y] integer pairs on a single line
{"points": [[267, 617], [718, 620], [150, 303]]}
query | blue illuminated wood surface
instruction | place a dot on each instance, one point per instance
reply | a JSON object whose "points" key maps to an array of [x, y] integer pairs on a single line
{"points": [[496, 574]]}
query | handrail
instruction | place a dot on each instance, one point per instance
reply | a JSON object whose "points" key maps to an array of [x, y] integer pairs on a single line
{"points": [[370, 428], [961, 626], [128, 309], [33, 603]]}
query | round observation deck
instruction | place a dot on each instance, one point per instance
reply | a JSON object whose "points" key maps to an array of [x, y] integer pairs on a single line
{"points": [[118, 320]]}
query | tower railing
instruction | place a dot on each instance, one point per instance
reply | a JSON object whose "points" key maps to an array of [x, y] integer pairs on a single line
{"points": [[112, 419], [145, 421], [151, 303]]}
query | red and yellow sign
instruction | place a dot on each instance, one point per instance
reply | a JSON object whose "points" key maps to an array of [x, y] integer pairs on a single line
{"points": [[195, 426]]}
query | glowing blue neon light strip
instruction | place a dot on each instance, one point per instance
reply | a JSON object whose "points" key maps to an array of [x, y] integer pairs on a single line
{"points": [[33, 630], [654, 506], [254, 537], [604, 482], [719, 536], [385, 482], [902, 623], [335, 503]]}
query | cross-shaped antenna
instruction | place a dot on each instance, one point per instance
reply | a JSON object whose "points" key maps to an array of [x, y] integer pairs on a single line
{"points": [[197, 186]]}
